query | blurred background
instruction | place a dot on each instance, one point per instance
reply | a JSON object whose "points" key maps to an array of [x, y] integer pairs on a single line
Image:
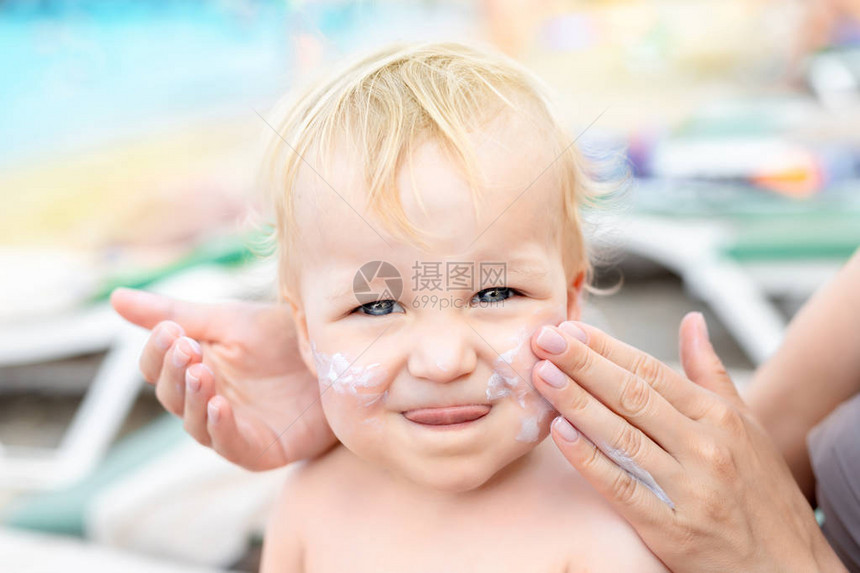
{"points": [[129, 138]]}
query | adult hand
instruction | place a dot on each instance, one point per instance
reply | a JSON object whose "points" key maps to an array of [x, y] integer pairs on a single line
{"points": [[681, 458], [232, 372]]}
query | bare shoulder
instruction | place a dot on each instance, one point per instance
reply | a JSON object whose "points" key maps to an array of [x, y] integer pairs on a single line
{"points": [[615, 546], [604, 540], [283, 549], [299, 501], [598, 538]]}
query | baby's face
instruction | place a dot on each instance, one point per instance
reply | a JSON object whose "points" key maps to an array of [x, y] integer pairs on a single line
{"points": [[434, 382]]}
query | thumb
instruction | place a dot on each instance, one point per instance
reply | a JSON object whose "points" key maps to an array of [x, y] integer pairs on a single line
{"points": [[147, 309], [700, 362]]}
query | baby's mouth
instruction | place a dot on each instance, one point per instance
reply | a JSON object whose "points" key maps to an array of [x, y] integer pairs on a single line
{"points": [[447, 415]]}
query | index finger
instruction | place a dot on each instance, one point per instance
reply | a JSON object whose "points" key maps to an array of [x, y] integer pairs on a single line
{"points": [[686, 396], [622, 392], [147, 309]]}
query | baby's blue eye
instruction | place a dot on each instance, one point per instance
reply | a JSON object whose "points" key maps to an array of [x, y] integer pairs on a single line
{"points": [[494, 294], [379, 308], [388, 306]]}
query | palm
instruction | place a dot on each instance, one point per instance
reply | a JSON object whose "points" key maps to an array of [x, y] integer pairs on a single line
{"points": [[259, 371]]}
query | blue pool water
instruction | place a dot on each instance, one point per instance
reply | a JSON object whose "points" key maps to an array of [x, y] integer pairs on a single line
{"points": [[76, 74]]}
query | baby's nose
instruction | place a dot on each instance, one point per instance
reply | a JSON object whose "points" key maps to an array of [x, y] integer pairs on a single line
{"points": [[442, 354]]}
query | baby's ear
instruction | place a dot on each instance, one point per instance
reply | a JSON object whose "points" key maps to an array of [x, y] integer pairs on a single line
{"points": [[574, 296], [302, 337]]}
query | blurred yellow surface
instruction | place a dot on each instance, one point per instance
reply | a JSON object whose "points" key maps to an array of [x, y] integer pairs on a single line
{"points": [[111, 194]]}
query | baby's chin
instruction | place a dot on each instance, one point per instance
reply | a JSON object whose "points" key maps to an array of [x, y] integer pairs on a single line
{"points": [[468, 474]]}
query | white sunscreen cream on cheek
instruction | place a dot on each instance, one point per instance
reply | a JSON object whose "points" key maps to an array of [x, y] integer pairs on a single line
{"points": [[539, 410], [338, 372], [511, 372]]}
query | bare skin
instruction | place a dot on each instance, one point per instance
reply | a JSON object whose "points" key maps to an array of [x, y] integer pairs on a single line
{"points": [[816, 368], [536, 515]]}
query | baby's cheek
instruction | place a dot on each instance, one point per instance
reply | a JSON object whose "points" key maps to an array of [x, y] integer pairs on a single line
{"points": [[512, 378], [535, 417], [351, 393], [347, 418], [535, 411], [340, 374]]}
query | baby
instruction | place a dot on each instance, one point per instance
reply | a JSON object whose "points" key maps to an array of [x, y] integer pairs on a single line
{"points": [[427, 225]]}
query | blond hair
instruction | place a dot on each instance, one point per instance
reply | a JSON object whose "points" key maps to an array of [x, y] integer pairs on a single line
{"points": [[384, 104]]}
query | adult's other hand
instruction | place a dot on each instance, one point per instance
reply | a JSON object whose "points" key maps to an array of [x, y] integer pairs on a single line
{"points": [[681, 458], [233, 373]]}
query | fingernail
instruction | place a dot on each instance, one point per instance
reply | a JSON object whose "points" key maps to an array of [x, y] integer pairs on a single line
{"points": [[212, 410], [192, 381], [552, 375], [195, 346], [180, 358], [703, 327], [565, 430], [551, 341], [165, 338], [573, 330]]}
